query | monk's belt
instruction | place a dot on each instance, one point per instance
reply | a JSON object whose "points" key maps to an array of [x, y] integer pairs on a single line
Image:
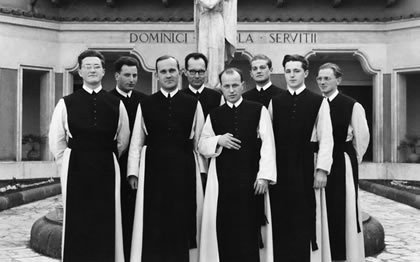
{"points": [[186, 144], [344, 147], [92, 144]]}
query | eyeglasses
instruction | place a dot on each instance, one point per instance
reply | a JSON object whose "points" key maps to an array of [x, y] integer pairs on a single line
{"points": [[194, 72], [90, 67], [325, 78], [262, 67]]}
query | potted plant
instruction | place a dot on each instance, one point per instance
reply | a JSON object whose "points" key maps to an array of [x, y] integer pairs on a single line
{"points": [[410, 148], [31, 146]]}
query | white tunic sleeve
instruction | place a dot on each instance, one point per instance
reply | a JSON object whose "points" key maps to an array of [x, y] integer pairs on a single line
{"points": [[123, 131], [137, 142], [322, 133], [195, 135], [207, 145], [58, 133], [267, 164], [360, 131]]}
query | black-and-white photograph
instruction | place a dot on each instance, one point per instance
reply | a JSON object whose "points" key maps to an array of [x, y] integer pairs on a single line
{"points": [[209, 131]]}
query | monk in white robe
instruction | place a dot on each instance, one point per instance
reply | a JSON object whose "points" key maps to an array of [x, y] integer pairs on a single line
{"points": [[88, 130], [164, 164], [304, 143], [238, 138], [351, 139]]}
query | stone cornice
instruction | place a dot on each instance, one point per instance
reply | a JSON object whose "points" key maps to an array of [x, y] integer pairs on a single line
{"points": [[187, 17]]}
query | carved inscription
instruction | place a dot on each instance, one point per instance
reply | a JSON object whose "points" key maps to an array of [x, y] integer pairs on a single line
{"points": [[168, 37]]}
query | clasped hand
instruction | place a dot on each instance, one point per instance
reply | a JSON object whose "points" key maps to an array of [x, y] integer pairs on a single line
{"points": [[229, 141]]}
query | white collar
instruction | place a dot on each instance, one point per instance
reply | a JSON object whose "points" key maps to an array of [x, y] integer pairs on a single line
{"points": [[124, 94], [264, 87], [90, 91], [195, 90], [237, 103], [334, 95], [298, 91], [166, 93]]}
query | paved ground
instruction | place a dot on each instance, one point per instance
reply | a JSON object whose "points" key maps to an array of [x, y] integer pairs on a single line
{"points": [[401, 223], [15, 229]]}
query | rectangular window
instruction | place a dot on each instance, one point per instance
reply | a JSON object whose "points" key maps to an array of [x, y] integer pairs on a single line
{"points": [[409, 121], [36, 113]]}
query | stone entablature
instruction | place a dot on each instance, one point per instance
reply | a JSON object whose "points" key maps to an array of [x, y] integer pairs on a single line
{"points": [[183, 10], [56, 44]]}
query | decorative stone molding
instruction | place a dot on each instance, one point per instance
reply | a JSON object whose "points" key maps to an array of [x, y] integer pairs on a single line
{"points": [[166, 15]]}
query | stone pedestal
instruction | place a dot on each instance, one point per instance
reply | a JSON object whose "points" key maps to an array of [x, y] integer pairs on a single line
{"points": [[374, 235], [46, 234]]}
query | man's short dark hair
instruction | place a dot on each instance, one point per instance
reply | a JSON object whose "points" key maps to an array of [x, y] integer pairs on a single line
{"points": [[196, 56], [297, 58], [166, 57], [91, 53], [125, 60], [262, 57], [334, 67], [230, 71]]}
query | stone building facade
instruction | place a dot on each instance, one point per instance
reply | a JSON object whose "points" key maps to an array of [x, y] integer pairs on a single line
{"points": [[375, 42]]}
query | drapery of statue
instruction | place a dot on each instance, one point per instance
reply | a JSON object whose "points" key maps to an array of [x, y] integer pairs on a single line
{"points": [[216, 22]]}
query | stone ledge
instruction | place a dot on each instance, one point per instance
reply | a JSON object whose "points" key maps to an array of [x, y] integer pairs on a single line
{"points": [[19, 198], [400, 196]]}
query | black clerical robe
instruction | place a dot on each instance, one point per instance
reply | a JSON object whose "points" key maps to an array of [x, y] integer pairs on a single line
{"points": [[209, 99], [299, 122], [87, 131], [128, 196], [169, 196], [231, 226], [349, 131], [264, 96]]}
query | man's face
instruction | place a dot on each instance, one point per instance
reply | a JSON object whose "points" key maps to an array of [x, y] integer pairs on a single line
{"points": [[127, 78], [260, 71], [327, 82], [168, 74], [91, 71], [196, 72], [232, 87], [294, 74]]}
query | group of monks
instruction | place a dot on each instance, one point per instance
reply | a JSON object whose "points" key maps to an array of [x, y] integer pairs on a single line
{"points": [[209, 175]]}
